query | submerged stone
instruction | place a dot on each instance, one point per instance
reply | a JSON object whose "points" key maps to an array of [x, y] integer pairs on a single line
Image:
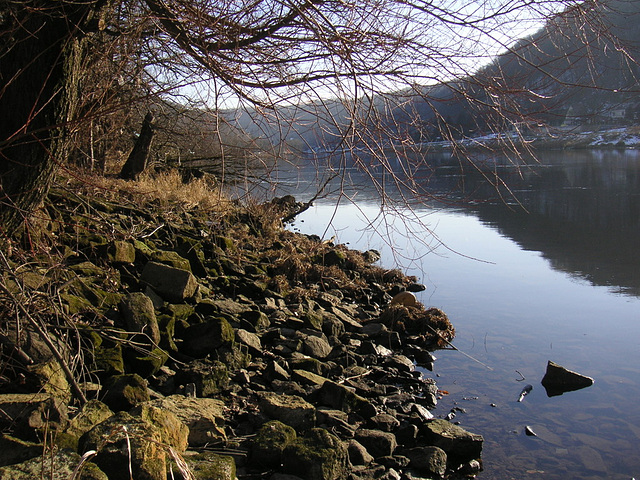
{"points": [[558, 380]]}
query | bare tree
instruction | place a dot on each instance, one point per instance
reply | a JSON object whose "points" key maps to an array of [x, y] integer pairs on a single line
{"points": [[336, 60]]}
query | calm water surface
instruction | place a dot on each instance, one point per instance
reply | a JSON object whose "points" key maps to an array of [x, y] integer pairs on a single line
{"points": [[558, 282]]}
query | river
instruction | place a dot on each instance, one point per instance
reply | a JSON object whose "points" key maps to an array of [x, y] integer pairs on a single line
{"points": [[546, 268]]}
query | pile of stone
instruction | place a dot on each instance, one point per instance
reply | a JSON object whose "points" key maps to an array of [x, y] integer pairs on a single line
{"points": [[215, 349]]}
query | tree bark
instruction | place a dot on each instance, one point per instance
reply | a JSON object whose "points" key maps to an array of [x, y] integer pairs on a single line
{"points": [[139, 156], [40, 67]]}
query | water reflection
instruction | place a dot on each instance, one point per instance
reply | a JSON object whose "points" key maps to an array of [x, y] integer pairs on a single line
{"points": [[581, 209], [521, 309]]}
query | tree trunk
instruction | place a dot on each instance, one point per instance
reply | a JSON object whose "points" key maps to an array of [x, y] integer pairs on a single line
{"points": [[40, 63], [139, 156]]}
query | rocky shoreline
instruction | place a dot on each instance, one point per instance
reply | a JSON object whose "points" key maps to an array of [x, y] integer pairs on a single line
{"points": [[165, 343]]}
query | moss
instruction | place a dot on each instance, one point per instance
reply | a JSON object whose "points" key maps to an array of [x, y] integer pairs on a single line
{"points": [[270, 442], [171, 258], [108, 361], [321, 455], [210, 466], [147, 365]]}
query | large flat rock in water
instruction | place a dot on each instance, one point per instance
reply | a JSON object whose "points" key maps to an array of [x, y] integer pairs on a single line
{"points": [[558, 380]]}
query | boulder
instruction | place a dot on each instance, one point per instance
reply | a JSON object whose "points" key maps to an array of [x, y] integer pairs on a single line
{"points": [[203, 417], [458, 443], [172, 430], [15, 450], [249, 339], [315, 347], [318, 455], [124, 392], [377, 443], [209, 466], [209, 377], [139, 315], [558, 380], [26, 412], [270, 442], [428, 459], [358, 454], [124, 440], [290, 409], [205, 338], [92, 413], [173, 284], [339, 396], [59, 465]]}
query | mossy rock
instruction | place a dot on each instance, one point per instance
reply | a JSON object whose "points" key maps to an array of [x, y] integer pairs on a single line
{"points": [[76, 304], [209, 377], [124, 392], [142, 250], [15, 450], [269, 443], [108, 361], [319, 454], [211, 466], [59, 465], [147, 364], [93, 412], [140, 446], [208, 337], [173, 259], [225, 243]]}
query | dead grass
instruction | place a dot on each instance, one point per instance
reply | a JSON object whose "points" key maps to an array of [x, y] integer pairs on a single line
{"points": [[165, 189]]}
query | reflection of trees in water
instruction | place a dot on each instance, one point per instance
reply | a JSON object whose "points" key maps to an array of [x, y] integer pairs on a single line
{"points": [[584, 217], [580, 209]]}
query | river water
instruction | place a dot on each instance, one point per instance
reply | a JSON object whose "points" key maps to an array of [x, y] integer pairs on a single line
{"points": [[546, 268]]}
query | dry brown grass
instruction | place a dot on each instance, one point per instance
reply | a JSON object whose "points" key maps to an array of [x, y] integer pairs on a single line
{"points": [[164, 189]]}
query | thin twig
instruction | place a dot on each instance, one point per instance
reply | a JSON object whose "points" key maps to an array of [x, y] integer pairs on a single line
{"points": [[456, 348], [45, 338]]}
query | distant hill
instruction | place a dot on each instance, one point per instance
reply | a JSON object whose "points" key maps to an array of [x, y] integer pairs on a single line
{"points": [[570, 72]]}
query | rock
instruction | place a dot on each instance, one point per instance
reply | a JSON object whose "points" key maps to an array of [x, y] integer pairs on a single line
{"points": [[319, 455], [203, 417], [274, 371], [315, 347], [208, 337], [428, 459], [377, 443], [258, 319], [92, 413], [558, 380], [270, 442], [289, 409], [211, 466], [139, 316], [15, 450], [308, 378], [172, 259], [58, 465], [26, 413], [121, 252], [399, 362], [124, 392], [341, 397], [249, 339], [51, 379], [208, 377], [384, 422], [454, 440], [122, 440], [174, 284], [407, 299], [358, 455], [172, 430]]}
